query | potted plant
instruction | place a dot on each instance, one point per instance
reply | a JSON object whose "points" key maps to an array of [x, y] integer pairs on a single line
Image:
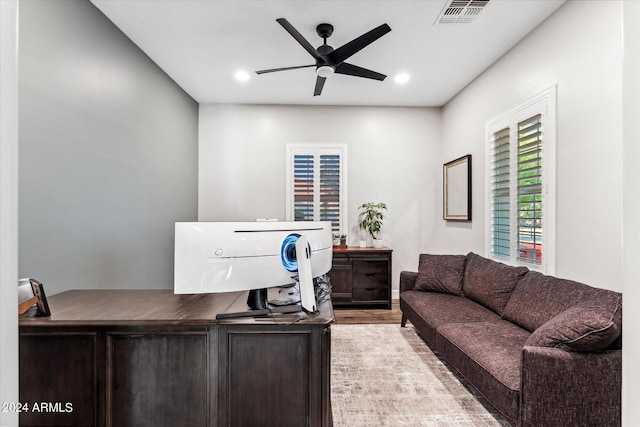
{"points": [[371, 217]]}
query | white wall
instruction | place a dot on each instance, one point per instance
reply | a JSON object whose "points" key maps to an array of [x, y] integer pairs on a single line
{"points": [[631, 212], [578, 49], [391, 155], [108, 153], [8, 208]]}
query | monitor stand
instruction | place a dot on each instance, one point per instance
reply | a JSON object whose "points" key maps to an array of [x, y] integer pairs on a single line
{"points": [[257, 302], [257, 299]]}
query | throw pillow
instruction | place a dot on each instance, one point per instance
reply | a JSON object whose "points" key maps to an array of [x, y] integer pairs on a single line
{"points": [[580, 328], [490, 283], [440, 273]]}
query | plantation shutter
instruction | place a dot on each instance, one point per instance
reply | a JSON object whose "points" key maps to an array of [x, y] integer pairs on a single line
{"points": [[329, 194], [316, 187], [530, 190], [520, 184], [303, 187], [500, 194]]}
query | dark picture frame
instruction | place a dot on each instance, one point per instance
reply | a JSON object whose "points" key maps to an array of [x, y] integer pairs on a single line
{"points": [[457, 189], [33, 301], [42, 304]]}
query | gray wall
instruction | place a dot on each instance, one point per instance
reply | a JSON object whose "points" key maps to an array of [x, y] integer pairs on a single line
{"points": [[108, 154], [8, 208]]}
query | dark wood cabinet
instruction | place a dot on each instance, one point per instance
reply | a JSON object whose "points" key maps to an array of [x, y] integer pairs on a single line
{"points": [[152, 358], [270, 371], [156, 379], [68, 383], [361, 277]]}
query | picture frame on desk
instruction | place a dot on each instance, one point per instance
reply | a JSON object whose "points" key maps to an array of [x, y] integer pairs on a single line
{"points": [[35, 299]]}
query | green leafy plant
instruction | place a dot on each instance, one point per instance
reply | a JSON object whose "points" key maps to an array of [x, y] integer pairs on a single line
{"points": [[371, 217]]}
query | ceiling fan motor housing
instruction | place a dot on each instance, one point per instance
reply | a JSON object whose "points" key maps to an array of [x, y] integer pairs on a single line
{"points": [[324, 30]]}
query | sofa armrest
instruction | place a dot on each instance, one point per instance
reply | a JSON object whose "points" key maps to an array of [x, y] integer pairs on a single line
{"points": [[560, 388], [407, 280]]}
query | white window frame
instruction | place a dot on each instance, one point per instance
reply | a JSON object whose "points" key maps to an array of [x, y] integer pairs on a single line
{"points": [[317, 150], [543, 103]]}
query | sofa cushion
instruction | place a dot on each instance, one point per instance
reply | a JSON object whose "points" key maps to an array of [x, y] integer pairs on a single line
{"points": [[489, 282], [538, 298], [489, 355], [440, 273], [587, 327], [428, 310]]}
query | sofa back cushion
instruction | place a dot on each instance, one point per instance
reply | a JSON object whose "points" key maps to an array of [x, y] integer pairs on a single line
{"points": [[538, 298], [440, 273], [490, 283]]}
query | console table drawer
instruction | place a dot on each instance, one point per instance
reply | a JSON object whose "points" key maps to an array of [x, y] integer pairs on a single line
{"points": [[362, 281], [340, 261], [370, 267], [370, 294]]}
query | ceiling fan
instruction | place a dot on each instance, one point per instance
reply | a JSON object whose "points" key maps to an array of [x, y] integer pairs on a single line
{"points": [[328, 60]]}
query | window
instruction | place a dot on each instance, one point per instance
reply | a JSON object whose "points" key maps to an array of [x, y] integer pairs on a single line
{"points": [[316, 184], [521, 184]]}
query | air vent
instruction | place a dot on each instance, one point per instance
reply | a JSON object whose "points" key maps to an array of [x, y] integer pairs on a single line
{"points": [[461, 11]]}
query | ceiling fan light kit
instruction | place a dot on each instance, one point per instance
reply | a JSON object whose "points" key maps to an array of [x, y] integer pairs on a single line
{"points": [[330, 60], [325, 70]]}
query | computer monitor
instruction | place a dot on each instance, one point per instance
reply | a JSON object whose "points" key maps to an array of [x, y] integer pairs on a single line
{"points": [[237, 256]]}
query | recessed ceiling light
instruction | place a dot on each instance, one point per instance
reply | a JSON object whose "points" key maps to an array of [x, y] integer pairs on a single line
{"points": [[402, 78], [242, 76]]}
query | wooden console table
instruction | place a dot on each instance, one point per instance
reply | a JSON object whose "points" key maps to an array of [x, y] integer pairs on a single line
{"points": [[152, 358], [361, 277]]}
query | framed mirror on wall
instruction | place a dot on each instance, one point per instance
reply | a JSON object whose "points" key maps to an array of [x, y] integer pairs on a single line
{"points": [[457, 189]]}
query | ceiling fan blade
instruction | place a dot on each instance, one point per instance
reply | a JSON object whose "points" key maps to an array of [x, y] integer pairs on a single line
{"points": [[345, 51], [299, 38], [319, 85], [354, 70], [284, 69]]}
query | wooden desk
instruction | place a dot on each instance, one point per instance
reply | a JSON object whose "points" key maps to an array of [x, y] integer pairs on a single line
{"points": [[152, 358]]}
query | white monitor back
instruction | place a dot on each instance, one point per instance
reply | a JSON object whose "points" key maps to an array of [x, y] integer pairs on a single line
{"points": [[235, 256]]}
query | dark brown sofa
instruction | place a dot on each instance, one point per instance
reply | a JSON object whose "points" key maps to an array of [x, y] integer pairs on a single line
{"points": [[543, 351]]}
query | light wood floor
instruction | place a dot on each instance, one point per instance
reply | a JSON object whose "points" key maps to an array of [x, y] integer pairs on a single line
{"points": [[360, 315]]}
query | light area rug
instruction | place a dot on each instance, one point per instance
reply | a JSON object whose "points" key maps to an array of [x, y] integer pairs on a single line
{"points": [[385, 375]]}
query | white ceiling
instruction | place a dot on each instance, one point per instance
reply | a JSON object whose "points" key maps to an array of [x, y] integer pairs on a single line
{"points": [[201, 44]]}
